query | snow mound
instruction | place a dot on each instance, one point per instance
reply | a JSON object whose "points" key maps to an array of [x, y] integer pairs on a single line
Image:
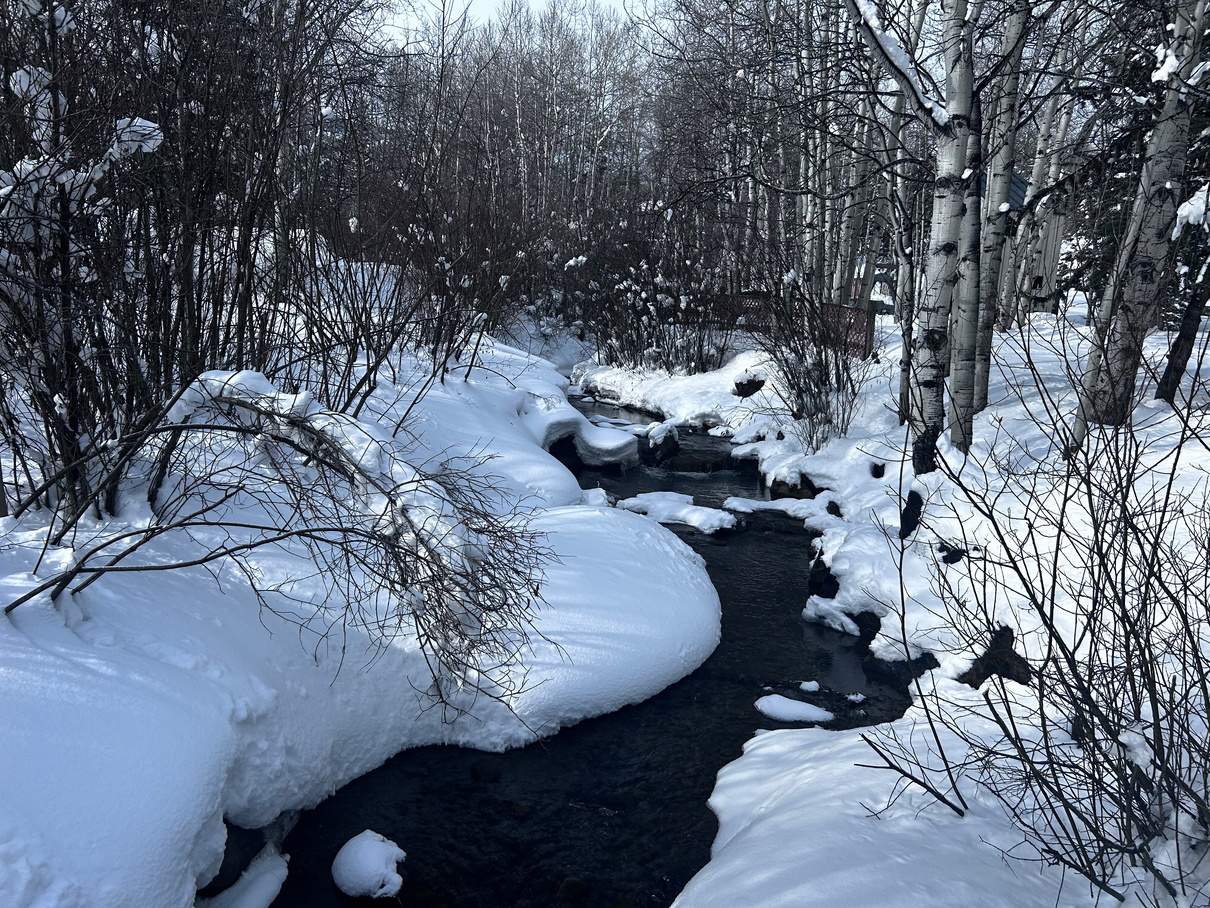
{"points": [[795, 832], [545, 412], [673, 507], [783, 709], [257, 886], [159, 703], [706, 399], [365, 865]]}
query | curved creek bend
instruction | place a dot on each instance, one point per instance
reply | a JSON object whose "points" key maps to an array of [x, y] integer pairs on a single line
{"points": [[612, 811]]}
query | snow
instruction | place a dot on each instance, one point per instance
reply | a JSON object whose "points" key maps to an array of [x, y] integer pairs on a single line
{"points": [[141, 712], [706, 399], [1192, 211], [673, 507], [783, 709], [905, 68], [365, 866], [257, 886], [813, 512], [803, 824], [804, 820], [190, 703], [1166, 64], [135, 134]]}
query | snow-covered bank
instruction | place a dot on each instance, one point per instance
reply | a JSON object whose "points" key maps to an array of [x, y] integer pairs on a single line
{"points": [[706, 399], [801, 822], [140, 712], [803, 825]]}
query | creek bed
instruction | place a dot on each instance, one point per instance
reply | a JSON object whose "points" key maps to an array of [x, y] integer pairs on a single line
{"points": [[612, 811]]}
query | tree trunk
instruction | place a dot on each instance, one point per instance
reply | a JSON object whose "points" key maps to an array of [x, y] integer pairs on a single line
{"points": [[930, 347], [1182, 344], [1131, 305], [1052, 135], [1002, 145], [967, 302]]}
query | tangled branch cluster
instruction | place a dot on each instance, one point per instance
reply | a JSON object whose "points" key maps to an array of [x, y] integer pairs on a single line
{"points": [[370, 543]]}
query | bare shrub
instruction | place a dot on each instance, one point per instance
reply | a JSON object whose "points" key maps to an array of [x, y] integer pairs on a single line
{"points": [[1097, 563], [820, 372], [373, 543]]}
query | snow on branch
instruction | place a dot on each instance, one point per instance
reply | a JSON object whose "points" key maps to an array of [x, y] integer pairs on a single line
{"points": [[904, 69], [357, 534], [1193, 212]]}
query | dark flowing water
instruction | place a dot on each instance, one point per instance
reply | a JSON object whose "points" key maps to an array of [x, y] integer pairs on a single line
{"points": [[610, 812]]}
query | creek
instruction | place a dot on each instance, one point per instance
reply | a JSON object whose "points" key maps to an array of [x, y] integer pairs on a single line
{"points": [[612, 811]]}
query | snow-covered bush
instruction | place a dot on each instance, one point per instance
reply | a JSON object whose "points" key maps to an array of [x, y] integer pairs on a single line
{"points": [[391, 549], [650, 301]]}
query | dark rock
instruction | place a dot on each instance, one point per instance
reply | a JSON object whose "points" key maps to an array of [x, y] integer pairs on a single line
{"points": [[909, 519], [834, 509], [242, 846], [805, 489], [657, 454], [868, 625], [821, 581], [999, 659], [748, 387], [951, 554], [878, 470], [900, 672]]}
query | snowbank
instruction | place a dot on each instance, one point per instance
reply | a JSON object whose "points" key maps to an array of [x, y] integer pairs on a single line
{"points": [[142, 711], [801, 822], [706, 399], [801, 825], [673, 507]]}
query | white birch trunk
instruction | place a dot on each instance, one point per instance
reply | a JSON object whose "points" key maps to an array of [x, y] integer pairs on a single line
{"points": [[1131, 305], [1043, 233], [967, 302], [930, 353]]}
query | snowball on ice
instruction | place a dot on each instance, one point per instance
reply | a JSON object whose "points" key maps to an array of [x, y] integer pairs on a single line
{"points": [[365, 865], [783, 709], [809, 686]]}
